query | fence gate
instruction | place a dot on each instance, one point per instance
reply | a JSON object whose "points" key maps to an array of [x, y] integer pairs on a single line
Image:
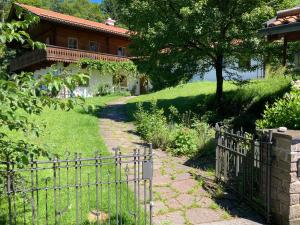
{"points": [[75, 190], [243, 163]]}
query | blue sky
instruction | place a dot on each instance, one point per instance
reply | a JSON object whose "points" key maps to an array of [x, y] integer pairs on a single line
{"points": [[98, 1]]}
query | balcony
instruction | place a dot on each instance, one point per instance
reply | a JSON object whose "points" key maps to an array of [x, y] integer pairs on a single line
{"points": [[58, 54]]}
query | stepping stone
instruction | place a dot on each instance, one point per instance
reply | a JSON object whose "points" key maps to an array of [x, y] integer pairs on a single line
{"points": [[204, 202], [164, 192], [184, 186], [161, 180], [186, 200], [172, 203], [203, 215], [174, 218], [159, 208]]}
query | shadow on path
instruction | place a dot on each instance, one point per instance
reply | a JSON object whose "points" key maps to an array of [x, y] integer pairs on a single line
{"points": [[179, 196]]}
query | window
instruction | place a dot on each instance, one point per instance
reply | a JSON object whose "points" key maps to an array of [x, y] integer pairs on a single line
{"points": [[121, 51], [93, 46], [72, 43]]}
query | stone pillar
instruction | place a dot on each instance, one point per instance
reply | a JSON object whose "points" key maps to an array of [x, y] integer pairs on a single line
{"points": [[285, 185]]}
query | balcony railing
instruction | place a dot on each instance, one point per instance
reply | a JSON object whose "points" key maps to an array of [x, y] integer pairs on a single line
{"points": [[59, 54]]}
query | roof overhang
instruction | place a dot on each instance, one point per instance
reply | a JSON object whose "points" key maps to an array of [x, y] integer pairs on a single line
{"points": [[281, 29], [12, 14], [83, 26]]}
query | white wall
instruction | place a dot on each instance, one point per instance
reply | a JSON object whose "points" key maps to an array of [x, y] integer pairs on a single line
{"points": [[95, 80]]}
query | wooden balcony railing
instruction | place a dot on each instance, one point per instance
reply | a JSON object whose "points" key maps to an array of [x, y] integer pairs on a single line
{"points": [[59, 54]]}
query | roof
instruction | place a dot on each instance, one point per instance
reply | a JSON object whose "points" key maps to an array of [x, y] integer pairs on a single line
{"points": [[73, 21], [285, 17], [285, 21]]}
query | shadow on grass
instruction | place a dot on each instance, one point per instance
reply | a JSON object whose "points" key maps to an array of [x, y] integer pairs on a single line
{"points": [[241, 107]]}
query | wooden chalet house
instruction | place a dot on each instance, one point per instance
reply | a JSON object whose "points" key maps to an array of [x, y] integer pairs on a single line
{"points": [[69, 39], [285, 27]]}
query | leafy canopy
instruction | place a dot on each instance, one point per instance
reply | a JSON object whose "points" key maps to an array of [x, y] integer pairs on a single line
{"points": [[177, 39]]}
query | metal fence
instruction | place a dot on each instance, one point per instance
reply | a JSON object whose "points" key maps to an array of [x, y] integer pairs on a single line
{"points": [[99, 190], [243, 163]]}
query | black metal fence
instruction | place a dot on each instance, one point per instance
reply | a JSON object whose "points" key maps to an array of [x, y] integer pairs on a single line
{"points": [[243, 163], [99, 190]]}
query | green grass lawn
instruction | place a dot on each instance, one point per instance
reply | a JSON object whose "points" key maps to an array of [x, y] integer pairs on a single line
{"points": [[74, 131], [242, 105]]}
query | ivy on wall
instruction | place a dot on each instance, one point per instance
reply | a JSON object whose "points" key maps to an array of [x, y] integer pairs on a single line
{"points": [[118, 70]]}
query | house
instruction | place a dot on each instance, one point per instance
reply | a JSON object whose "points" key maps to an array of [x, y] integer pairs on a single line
{"points": [[69, 39], [285, 27]]}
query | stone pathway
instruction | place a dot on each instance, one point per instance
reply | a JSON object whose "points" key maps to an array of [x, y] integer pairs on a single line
{"points": [[178, 197]]}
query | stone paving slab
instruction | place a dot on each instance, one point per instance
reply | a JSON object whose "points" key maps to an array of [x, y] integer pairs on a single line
{"points": [[234, 222], [178, 198]]}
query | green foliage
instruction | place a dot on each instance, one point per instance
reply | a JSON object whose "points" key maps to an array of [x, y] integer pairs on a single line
{"points": [[285, 112], [118, 70], [70, 132], [152, 125], [243, 105], [107, 89], [177, 134], [104, 89], [21, 96], [185, 141], [177, 39]]}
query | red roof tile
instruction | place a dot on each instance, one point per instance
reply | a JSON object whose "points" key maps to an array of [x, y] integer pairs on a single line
{"points": [[286, 17], [74, 21]]}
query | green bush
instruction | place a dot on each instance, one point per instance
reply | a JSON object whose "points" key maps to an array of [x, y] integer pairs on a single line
{"points": [[179, 134], [284, 112], [104, 89], [184, 141], [152, 125]]}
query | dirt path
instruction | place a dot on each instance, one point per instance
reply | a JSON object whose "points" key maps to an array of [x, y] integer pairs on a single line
{"points": [[178, 197]]}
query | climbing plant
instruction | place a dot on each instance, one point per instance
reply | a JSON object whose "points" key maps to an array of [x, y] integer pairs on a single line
{"points": [[118, 70]]}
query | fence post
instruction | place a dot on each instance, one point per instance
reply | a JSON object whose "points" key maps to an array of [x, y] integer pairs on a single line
{"points": [[285, 184], [9, 182], [150, 183], [217, 138]]}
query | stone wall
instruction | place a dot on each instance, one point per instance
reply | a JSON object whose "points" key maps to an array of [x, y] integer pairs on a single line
{"points": [[285, 185]]}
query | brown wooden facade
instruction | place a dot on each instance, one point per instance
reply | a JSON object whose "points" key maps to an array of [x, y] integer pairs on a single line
{"points": [[90, 43]]}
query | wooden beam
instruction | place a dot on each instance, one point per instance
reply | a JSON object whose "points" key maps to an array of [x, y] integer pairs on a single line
{"points": [[285, 45]]}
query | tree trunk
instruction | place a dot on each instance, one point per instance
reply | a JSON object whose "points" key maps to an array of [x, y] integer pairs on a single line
{"points": [[219, 76]]}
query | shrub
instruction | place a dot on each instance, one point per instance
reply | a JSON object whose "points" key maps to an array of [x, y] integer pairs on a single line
{"points": [[284, 112], [152, 125], [184, 141], [104, 89], [107, 89], [180, 134]]}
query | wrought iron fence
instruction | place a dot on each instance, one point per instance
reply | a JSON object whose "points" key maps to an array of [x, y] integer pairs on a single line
{"points": [[243, 163], [99, 190]]}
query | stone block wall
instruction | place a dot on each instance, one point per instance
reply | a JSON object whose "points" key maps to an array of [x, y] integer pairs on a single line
{"points": [[285, 184]]}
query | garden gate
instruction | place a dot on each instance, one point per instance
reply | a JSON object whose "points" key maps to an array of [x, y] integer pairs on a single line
{"points": [[243, 163], [99, 190]]}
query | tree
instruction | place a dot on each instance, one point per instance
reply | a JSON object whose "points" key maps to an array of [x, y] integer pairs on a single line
{"points": [[177, 39], [80, 8], [21, 95], [110, 8]]}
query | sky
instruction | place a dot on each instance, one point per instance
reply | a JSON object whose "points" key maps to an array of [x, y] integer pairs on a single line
{"points": [[98, 1]]}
